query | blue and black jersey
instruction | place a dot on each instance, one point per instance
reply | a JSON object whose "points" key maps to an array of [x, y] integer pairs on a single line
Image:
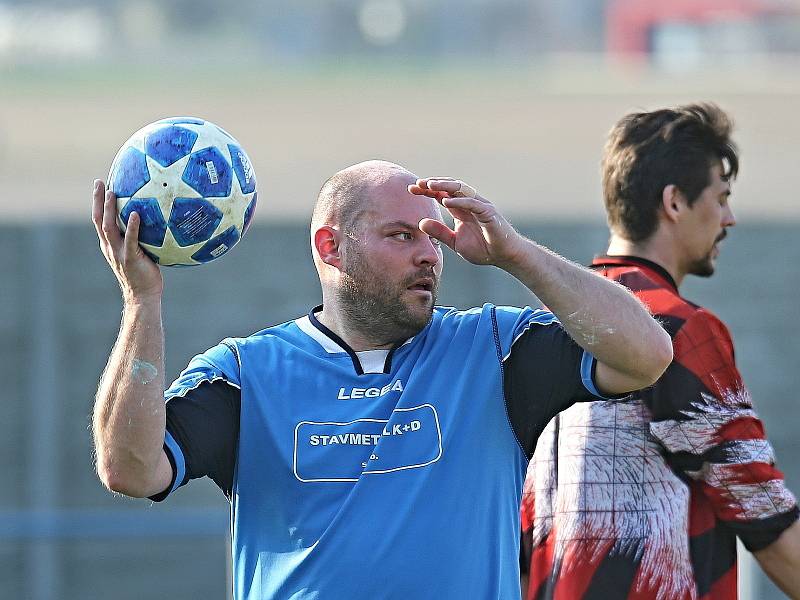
{"points": [[387, 473]]}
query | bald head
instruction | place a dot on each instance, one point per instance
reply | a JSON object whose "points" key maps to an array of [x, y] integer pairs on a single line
{"points": [[346, 195], [370, 254]]}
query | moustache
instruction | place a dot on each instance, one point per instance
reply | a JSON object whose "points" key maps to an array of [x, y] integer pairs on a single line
{"points": [[422, 273], [722, 236]]}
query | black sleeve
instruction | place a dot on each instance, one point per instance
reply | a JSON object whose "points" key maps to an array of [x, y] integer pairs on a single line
{"points": [[205, 424], [542, 377], [758, 534]]}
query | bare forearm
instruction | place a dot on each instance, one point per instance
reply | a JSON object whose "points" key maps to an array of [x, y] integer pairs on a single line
{"points": [[602, 316], [781, 561], [632, 350], [129, 414]]}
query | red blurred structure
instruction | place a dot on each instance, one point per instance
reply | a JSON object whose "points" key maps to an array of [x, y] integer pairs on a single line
{"points": [[630, 24]]}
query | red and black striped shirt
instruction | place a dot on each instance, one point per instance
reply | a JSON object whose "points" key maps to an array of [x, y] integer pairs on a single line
{"points": [[645, 497]]}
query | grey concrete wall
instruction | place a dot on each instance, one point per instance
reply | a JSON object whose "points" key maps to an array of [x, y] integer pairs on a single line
{"points": [[63, 536]]}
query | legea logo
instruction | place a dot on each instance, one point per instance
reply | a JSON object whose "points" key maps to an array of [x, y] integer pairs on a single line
{"points": [[372, 392]]}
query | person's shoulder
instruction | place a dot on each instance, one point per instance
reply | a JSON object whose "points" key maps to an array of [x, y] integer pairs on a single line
{"points": [[540, 316], [703, 320], [446, 318], [662, 299], [633, 277], [660, 296], [703, 342], [288, 331], [280, 330], [489, 312], [651, 285], [503, 321], [446, 314]]}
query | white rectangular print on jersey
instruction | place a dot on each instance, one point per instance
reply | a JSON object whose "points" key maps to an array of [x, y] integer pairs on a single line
{"points": [[328, 451]]}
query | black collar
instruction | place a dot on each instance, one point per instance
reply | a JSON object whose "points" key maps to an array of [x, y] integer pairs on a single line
{"points": [[387, 365], [620, 260]]}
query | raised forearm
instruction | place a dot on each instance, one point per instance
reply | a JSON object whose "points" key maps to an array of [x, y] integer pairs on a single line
{"points": [[129, 414], [602, 316], [781, 561]]}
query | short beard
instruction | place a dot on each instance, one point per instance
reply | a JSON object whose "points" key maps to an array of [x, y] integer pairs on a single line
{"points": [[703, 267], [376, 310]]}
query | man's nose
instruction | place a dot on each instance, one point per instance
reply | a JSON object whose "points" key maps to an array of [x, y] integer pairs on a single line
{"points": [[728, 218], [428, 252]]}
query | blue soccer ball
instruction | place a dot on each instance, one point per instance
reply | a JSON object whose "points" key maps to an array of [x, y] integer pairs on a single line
{"points": [[192, 185]]}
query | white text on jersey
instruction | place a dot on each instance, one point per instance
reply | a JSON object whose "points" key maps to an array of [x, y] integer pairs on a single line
{"points": [[373, 392]]}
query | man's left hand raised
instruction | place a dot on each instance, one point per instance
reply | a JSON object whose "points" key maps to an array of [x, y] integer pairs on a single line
{"points": [[480, 234], [604, 318]]}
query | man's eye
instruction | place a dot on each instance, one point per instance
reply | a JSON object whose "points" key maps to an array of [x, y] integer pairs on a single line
{"points": [[403, 235]]}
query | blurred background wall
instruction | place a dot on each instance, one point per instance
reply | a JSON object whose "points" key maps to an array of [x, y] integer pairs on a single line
{"points": [[513, 96]]}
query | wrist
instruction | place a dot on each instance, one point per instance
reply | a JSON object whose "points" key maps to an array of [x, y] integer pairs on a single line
{"points": [[518, 256], [139, 302]]}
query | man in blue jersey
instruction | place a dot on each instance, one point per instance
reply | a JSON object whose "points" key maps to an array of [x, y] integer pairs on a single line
{"points": [[346, 439]]}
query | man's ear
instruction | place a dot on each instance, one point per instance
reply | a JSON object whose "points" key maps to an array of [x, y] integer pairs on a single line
{"points": [[326, 243], [673, 202]]}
